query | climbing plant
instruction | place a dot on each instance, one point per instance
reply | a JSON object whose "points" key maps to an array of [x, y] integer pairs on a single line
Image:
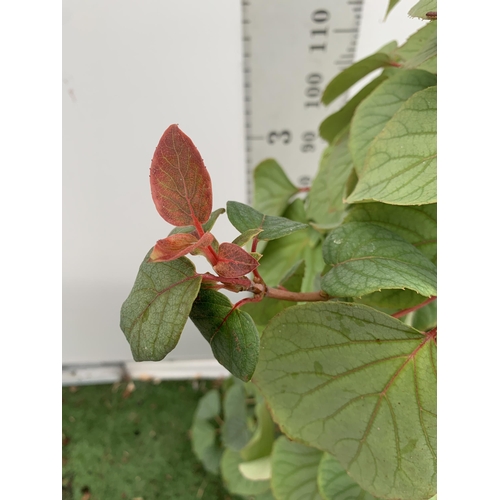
{"points": [[333, 350]]}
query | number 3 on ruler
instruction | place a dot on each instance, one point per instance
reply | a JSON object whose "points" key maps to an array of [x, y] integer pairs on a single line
{"points": [[284, 136]]}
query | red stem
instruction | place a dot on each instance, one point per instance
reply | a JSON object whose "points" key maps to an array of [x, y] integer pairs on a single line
{"points": [[404, 312], [256, 276]]}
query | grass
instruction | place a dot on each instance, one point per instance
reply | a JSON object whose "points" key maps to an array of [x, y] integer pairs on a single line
{"points": [[123, 444]]}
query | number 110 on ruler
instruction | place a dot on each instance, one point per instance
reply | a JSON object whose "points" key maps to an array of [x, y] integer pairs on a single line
{"points": [[292, 49]]}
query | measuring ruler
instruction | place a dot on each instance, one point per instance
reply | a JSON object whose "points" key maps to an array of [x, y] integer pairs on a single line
{"points": [[292, 49]]}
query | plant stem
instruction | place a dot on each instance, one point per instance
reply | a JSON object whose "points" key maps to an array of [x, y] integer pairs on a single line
{"points": [[256, 276], [280, 294], [404, 312]]}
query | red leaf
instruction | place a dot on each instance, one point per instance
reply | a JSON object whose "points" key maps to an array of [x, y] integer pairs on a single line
{"points": [[180, 183], [233, 261], [177, 245]]}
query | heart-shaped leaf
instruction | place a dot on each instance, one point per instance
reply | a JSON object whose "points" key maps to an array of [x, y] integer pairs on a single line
{"points": [[360, 385], [243, 218], [232, 334], [365, 258], [154, 314], [295, 470], [180, 183], [177, 245]]}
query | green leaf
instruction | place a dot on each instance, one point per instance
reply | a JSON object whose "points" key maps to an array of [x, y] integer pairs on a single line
{"points": [[392, 4], [180, 183], [422, 7], [416, 224], [400, 166], [256, 470], [243, 218], [234, 480], [206, 227], [261, 443], [205, 447], [263, 311], [331, 127], [391, 301], [247, 236], [231, 333], [365, 258], [379, 107], [154, 314], [204, 433], [360, 385], [347, 78], [416, 42], [325, 204], [295, 469], [272, 187], [235, 433], [208, 406], [335, 484]]}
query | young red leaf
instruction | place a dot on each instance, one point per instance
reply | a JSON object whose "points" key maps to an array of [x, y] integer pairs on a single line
{"points": [[180, 183], [177, 245], [233, 261]]}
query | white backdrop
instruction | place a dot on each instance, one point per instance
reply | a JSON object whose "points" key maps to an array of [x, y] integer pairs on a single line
{"points": [[130, 69]]}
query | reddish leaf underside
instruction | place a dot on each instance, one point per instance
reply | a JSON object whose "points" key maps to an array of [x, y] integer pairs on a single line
{"points": [[180, 183], [177, 245], [233, 261]]}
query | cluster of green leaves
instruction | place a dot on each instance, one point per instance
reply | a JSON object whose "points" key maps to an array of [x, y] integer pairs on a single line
{"points": [[339, 339], [353, 389]]}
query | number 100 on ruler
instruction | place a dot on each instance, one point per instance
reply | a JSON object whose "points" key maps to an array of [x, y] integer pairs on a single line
{"points": [[292, 49]]}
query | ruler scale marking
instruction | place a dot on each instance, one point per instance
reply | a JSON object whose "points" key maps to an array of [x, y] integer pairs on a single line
{"points": [[292, 49]]}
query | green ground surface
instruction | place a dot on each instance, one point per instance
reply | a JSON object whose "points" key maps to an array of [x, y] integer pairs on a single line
{"points": [[127, 445]]}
